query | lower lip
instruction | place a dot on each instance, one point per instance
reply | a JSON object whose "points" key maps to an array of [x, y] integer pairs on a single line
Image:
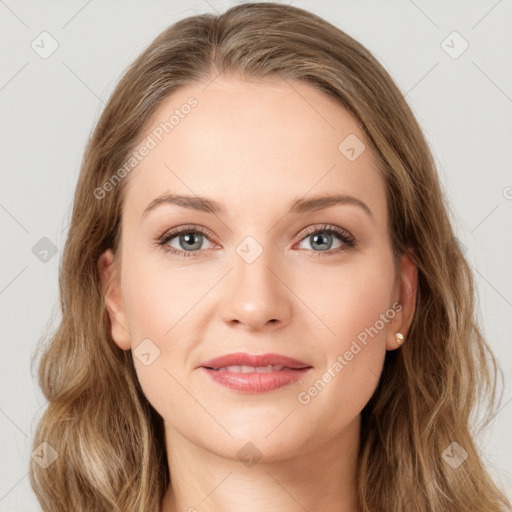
{"points": [[256, 382]]}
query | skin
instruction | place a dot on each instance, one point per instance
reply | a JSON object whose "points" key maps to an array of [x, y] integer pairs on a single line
{"points": [[254, 147]]}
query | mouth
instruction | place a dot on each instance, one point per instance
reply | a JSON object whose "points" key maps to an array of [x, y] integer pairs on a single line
{"points": [[257, 373], [252, 369], [259, 361]]}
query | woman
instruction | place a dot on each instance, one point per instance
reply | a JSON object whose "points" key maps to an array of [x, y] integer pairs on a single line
{"points": [[263, 302]]}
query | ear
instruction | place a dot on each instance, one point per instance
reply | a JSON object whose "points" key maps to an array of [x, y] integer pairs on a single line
{"points": [[111, 289], [404, 293]]}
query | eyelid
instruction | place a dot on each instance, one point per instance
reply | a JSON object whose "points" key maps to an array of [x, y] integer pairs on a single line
{"points": [[186, 228], [323, 228]]}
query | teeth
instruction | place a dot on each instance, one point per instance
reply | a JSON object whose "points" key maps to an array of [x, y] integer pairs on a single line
{"points": [[251, 369]]}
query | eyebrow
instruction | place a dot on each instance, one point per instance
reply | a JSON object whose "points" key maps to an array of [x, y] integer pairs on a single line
{"points": [[298, 206]]}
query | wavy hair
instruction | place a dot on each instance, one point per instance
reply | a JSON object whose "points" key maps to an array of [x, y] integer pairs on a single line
{"points": [[110, 440]]}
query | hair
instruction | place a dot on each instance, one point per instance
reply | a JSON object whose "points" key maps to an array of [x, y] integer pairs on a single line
{"points": [[110, 440]]}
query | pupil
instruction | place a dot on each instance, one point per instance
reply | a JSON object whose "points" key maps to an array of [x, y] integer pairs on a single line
{"points": [[191, 239], [321, 239]]}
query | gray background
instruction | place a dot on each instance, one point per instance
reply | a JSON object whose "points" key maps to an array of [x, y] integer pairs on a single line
{"points": [[49, 106]]}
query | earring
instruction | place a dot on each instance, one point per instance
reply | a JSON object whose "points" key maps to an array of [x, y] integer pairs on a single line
{"points": [[399, 338]]}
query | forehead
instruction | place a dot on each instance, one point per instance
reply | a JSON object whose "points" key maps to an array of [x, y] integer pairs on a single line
{"points": [[251, 145]]}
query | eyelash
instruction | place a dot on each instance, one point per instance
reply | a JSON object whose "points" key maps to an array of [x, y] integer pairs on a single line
{"points": [[348, 240]]}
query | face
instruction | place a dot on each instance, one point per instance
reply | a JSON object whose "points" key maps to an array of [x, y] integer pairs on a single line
{"points": [[256, 276]]}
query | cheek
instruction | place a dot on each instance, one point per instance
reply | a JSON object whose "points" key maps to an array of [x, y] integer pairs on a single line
{"points": [[354, 347], [348, 298], [360, 300], [156, 306], [159, 347], [156, 297]]}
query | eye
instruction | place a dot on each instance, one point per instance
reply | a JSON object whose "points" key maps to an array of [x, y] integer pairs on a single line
{"points": [[321, 238], [188, 240]]}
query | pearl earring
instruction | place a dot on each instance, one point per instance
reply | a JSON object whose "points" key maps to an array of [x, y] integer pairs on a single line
{"points": [[399, 338]]}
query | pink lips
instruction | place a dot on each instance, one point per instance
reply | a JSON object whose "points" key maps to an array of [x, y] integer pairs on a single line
{"points": [[287, 371]]}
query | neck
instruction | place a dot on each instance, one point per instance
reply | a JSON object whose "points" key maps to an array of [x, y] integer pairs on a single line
{"points": [[322, 479]]}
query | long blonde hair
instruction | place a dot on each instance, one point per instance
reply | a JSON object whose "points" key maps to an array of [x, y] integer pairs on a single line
{"points": [[110, 440]]}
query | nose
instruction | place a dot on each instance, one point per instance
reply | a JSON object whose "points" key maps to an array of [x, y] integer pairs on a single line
{"points": [[255, 294]]}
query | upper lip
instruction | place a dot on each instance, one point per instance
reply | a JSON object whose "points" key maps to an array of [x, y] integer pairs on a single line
{"points": [[243, 359]]}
